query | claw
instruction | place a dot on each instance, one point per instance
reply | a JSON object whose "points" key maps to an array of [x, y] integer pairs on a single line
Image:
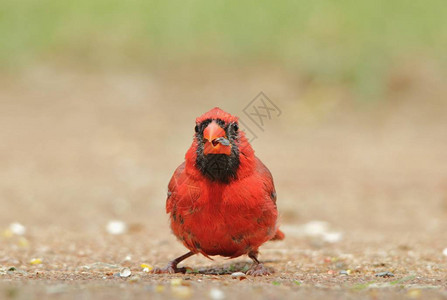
{"points": [[258, 270], [169, 269]]}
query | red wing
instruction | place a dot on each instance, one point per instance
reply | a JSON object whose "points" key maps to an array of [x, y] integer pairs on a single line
{"points": [[181, 188], [177, 179], [270, 188], [183, 193], [268, 179]]}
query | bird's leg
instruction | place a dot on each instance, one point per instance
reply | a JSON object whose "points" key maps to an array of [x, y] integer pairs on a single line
{"points": [[171, 268], [257, 269]]}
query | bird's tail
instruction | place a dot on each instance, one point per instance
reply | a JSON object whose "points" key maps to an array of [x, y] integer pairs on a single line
{"points": [[279, 235]]}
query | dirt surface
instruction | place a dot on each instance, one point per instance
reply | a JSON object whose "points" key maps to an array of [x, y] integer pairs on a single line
{"points": [[362, 188]]}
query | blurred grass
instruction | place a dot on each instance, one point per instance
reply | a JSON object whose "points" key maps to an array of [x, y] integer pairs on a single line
{"points": [[347, 41]]}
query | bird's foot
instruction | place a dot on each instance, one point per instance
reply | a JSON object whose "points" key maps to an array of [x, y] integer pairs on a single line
{"points": [[258, 270], [171, 268]]}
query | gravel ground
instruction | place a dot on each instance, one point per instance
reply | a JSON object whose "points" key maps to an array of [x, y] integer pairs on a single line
{"points": [[362, 190]]}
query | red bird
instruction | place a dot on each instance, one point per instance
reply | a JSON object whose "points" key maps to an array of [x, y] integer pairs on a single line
{"points": [[221, 200]]}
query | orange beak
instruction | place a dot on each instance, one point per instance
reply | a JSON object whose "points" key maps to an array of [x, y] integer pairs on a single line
{"points": [[216, 141]]}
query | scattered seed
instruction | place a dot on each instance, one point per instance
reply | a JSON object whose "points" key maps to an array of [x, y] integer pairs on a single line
{"points": [[146, 267], [223, 141], [35, 261]]}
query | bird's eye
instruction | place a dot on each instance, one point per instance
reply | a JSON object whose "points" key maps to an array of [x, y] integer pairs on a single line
{"points": [[196, 128], [235, 127]]}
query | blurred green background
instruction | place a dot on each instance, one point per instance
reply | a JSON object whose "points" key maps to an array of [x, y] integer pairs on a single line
{"points": [[356, 44]]}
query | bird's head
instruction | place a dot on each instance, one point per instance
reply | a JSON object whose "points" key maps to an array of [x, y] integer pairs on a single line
{"points": [[218, 145]]}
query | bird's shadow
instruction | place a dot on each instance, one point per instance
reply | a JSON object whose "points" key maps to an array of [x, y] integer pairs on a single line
{"points": [[225, 269]]}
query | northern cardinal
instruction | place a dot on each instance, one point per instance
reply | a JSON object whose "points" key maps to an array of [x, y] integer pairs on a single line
{"points": [[221, 200]]}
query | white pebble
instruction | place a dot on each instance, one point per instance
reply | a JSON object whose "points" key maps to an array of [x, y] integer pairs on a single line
{"points": [[125, 272], [315, 228], [238, 275], [444, 251], [332, 237], [116, 227], [217, 294], [17, 228]]}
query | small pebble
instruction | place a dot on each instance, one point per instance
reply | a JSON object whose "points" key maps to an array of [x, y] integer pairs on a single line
{"points": [[125, 273], [344, 272], [116, 227], [444, 251], [239, 275], [385, 274], [217, 294], [332, 237], [17, 228]]}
